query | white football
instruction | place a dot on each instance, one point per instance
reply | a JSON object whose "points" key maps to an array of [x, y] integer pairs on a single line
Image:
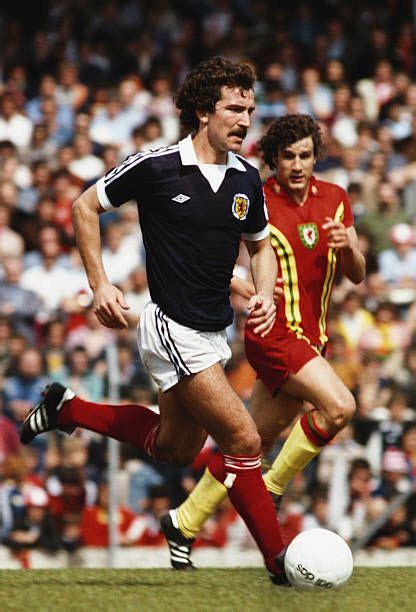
{"points": [[318, 559]]}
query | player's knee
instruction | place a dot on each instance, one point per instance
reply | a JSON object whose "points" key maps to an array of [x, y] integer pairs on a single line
{"points": [[343, 410], [246, 442]]}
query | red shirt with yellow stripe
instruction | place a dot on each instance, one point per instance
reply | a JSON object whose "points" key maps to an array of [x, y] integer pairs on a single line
{"points": [[305, 262]]}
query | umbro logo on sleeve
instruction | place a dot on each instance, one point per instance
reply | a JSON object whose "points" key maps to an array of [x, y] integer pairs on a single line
{"points": [[181, 198]]}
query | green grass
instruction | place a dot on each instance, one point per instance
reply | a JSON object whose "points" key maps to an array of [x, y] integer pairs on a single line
{"points": [[245, 590]]}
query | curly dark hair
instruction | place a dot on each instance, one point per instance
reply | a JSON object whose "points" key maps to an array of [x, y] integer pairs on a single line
{"points": [[285, 131], [201, 89]]}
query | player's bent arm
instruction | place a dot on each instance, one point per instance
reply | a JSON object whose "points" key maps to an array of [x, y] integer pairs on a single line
{"points": [[85, 213], [263, 266], [261, 306], [108, 300], [352, 260]]}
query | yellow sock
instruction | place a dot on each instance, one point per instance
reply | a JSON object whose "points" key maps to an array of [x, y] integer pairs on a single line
{"points": [[296, 453], [200, 504]]}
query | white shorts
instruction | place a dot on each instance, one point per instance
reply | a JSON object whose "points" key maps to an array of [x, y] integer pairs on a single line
{"points": [[170, 351]]}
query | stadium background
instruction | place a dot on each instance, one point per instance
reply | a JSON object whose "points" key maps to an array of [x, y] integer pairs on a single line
{"points": [[85, 83]]}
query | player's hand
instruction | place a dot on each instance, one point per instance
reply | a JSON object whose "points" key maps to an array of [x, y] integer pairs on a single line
{"points": [[337, 236], [109, 304], [262, 314], [278, 290]]}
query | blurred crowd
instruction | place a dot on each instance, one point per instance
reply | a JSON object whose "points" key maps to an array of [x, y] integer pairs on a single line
{"points": [[83, 84]]}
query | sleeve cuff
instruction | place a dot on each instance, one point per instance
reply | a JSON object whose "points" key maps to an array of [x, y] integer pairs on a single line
{"points": [[102, 196], [257, 236]]}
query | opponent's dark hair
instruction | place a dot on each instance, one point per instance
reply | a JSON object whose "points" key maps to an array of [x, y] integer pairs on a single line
{"points": [[201, 88], [286, 130]]}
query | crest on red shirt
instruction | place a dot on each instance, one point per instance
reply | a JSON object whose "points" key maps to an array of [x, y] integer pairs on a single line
{"points": [[241, 204], [309, 234]]}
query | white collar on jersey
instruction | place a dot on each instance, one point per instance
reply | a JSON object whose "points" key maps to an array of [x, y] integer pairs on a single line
{"points": [[189, 158]]}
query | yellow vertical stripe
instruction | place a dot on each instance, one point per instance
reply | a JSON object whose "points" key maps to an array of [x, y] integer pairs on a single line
{"points": [[290, 279], [329, 281]]}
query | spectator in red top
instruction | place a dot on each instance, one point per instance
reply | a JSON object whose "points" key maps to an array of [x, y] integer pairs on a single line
{"points": [[145, 529], [94, 522]]}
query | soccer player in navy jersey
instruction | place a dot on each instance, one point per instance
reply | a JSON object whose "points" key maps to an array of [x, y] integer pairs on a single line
{"points": [[196, 200], [312, 234]]}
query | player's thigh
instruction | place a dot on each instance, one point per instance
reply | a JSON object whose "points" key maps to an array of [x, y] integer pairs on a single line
{"points": [[318, 383], [272, 414], [180, 433], [214, 404]]}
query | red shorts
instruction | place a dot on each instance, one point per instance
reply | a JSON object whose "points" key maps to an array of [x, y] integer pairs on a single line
{"points": [[277, 355]]}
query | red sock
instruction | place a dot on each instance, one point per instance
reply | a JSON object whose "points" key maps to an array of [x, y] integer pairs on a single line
{"points": [[130, 423], [248, 494]]}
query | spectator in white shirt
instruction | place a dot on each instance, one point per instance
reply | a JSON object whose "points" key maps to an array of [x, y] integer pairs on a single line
{"points": [[398, 264], [14, 126], [49, 279], [11, 243], [137, 294], [118, 257], [85, 166]]}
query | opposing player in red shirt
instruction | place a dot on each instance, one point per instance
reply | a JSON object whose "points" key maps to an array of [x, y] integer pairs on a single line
{"points": [[311, 230]]}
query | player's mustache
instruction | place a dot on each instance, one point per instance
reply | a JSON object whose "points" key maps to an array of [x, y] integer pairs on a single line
{"points": [[240, 133]]}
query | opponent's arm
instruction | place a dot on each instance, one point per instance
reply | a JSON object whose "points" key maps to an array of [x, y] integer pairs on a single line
{"points": [[242, 287], [108, 300], [264, 271], [246, 289], [345, 240]]}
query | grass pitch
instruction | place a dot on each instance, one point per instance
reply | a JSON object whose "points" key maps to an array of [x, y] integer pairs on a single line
{"points": [[231, 590]]}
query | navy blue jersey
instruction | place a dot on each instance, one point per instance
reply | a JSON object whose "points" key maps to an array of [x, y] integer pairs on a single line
{"points": [[191, 233]]}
